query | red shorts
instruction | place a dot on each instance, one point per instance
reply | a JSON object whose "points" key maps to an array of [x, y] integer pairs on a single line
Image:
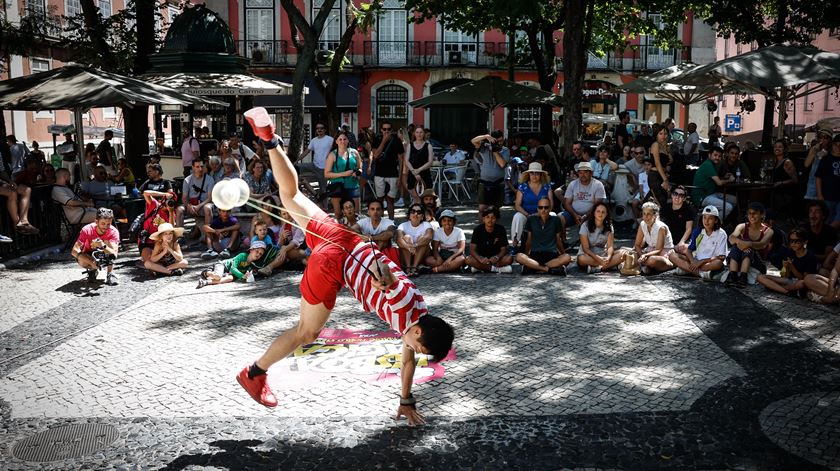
{"points": [[324, 274]]}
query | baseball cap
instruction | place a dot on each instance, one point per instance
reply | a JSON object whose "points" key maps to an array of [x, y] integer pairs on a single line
{"points": [[711, 211], [257, 244], [447, 213]]}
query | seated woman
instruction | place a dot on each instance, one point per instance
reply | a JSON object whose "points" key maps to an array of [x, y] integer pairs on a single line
{"points": [[257, 179], [823, 288], [543, 250], [653, 241], [349, 216], [749, 242], [166, 257], [706, 248], [533, 186], [798, 263], [124, 174], [285, 247], [597, 241], [413, 239], [448, 245], [489, 245]]}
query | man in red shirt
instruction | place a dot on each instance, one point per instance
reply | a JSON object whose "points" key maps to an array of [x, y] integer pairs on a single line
{"points": [[100, 236], [341, 258]]}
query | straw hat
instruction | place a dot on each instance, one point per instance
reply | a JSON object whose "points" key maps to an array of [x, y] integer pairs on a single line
{"points": [[535, 167], [428, 192], [166, 227]]}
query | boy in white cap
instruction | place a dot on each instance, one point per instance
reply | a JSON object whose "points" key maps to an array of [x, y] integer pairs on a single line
{"points": [[236, 268], [707, 248]]}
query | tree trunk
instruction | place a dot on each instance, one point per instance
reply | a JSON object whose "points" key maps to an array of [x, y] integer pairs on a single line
{"points": [[97, 34], [768, 124], [136, 119], [574, 69]]}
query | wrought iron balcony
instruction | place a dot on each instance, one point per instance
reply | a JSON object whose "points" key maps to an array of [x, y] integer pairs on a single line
{"points": [[264, 52], [462, 54], [393, 53]]}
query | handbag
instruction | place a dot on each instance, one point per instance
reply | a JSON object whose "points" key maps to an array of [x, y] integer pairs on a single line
{"points": [[630, 265], [336, 189]]}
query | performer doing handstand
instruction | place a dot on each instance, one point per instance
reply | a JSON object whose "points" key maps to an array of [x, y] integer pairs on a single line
{"points": [[341, 258]]}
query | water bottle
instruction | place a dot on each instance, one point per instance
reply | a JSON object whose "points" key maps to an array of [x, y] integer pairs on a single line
{"points": [[135, 193], [738, 174]]}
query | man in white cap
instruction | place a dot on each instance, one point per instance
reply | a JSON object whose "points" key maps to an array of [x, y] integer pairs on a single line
{"points": [[707, 248], [581, 194]]}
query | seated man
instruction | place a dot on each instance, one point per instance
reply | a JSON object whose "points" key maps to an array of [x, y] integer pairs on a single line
{"points": [[155, 182], [544, 252], [221, 235], [489, 245], [821, 236], [17, 203], [707, 184], [98, 189], [31, 173], [798, 263], [414, 238], [77, 210], [98, 246], [196, 194], [378, 229], [823, 287], [581, 194], [733, 165], [706, 248]]}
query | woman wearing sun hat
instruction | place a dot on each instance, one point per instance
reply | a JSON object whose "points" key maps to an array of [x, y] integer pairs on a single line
{"points": [[166, 257], [533, 186]]}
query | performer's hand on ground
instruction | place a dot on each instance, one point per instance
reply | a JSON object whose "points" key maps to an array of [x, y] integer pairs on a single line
{"points": [[411, 415]]}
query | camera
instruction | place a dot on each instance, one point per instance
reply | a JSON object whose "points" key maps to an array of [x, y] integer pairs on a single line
{"points": [[492, 147], [172, 203], [357, 172], [102, 258]]}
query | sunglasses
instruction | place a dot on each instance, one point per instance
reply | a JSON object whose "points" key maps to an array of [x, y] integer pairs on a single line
{"points": [[681, 195], [543, 207], [415, 211]]}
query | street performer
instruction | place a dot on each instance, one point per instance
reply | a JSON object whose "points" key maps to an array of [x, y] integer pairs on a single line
{"points": [[341, 258]]}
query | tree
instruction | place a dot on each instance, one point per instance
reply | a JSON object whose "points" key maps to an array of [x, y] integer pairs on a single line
{"points": [[358, 18], [768, 22], [596, 26]]}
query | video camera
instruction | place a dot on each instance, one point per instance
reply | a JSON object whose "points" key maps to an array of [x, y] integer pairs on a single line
{"points": [[492, 147], [102, 258]]}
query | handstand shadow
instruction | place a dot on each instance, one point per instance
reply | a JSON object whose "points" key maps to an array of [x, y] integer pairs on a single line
{"points": [[82, 288]]}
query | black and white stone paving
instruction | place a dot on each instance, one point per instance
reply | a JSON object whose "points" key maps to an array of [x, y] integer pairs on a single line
{"points": [[584, 372]]}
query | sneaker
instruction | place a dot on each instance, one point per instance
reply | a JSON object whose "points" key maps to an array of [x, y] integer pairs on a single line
{"points": [[559, 271], [224, 253], [257, 388], [475, 270], [593, 270], [679, 271], [645, 270], [729, 278], [111, 279], [526, 270], [210, 253], [741, 282], [505, 269], [177, 272], [400, 203], [705, 275], [494, 269], [265, 271], [201, 283], [5, 239], [92, 274]]}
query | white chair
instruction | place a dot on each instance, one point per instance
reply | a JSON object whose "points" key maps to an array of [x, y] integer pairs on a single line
{"points": [[455, 176]]}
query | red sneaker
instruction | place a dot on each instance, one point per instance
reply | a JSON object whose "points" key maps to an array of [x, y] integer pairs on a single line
{"points": [[261, 123], [257, 388]]}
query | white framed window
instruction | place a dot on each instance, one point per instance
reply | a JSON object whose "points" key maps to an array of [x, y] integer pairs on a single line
{"points": [[808, 104], [72, 8], [109, 113], [36, 8], [104, 8], [40, 65], [333, 27], [525, 119]]}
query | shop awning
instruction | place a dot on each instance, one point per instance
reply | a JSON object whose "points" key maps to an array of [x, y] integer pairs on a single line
{"points": [[347, 95], [214, 84]]}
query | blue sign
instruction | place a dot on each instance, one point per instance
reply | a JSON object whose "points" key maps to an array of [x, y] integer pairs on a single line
{"points": [[733, 123]]}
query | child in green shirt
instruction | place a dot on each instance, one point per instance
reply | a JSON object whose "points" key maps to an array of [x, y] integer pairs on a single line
{"points": [[236, 268]]}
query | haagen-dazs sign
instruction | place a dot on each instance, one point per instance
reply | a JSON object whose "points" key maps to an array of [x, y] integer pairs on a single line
{"points": [[598, 90], [369, 355]]}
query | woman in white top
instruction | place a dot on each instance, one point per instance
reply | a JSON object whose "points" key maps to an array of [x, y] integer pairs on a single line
{"points": [[597, 241], [448, 245], [413, 238], [653, 241]]}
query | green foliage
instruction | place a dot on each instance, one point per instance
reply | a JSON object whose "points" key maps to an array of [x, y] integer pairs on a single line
{"points": [[25, 37], [771, 21], [120, 33]]}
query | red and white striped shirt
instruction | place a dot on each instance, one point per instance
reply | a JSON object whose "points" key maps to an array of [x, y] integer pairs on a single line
{"points": [[400, 306]]}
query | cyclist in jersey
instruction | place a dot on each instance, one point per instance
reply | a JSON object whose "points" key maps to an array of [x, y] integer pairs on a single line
{"points": [[341, 258]]}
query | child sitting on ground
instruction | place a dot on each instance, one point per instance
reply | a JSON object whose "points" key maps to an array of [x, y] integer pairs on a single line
{"points": [[797, 262], [221, 235], [236, 268], [706, 250]]}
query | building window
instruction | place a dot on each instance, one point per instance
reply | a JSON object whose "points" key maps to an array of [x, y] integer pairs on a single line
{"points": [[259, 30], [391, 106], [738, 49], [525, 119], [830, 98], [459, 48], [104, 8], [725, 48], [36, 8], [333, 27], [72, 8], [109, 113], [37, 66]]}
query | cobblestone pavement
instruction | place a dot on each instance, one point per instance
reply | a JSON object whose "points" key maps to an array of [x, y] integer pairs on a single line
{"points": [[581, 372]]}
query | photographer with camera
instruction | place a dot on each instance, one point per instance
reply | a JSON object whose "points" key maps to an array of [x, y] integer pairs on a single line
{"points": [[97, 246], [492, 157], [387, 156], [195, 197]]}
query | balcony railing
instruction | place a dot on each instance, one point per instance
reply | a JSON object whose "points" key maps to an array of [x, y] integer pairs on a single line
{"points": [[451, 53], [393, 53], [264, 52]]}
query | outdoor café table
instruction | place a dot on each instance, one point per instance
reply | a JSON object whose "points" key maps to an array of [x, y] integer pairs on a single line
{"points": [[749, 188]]}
